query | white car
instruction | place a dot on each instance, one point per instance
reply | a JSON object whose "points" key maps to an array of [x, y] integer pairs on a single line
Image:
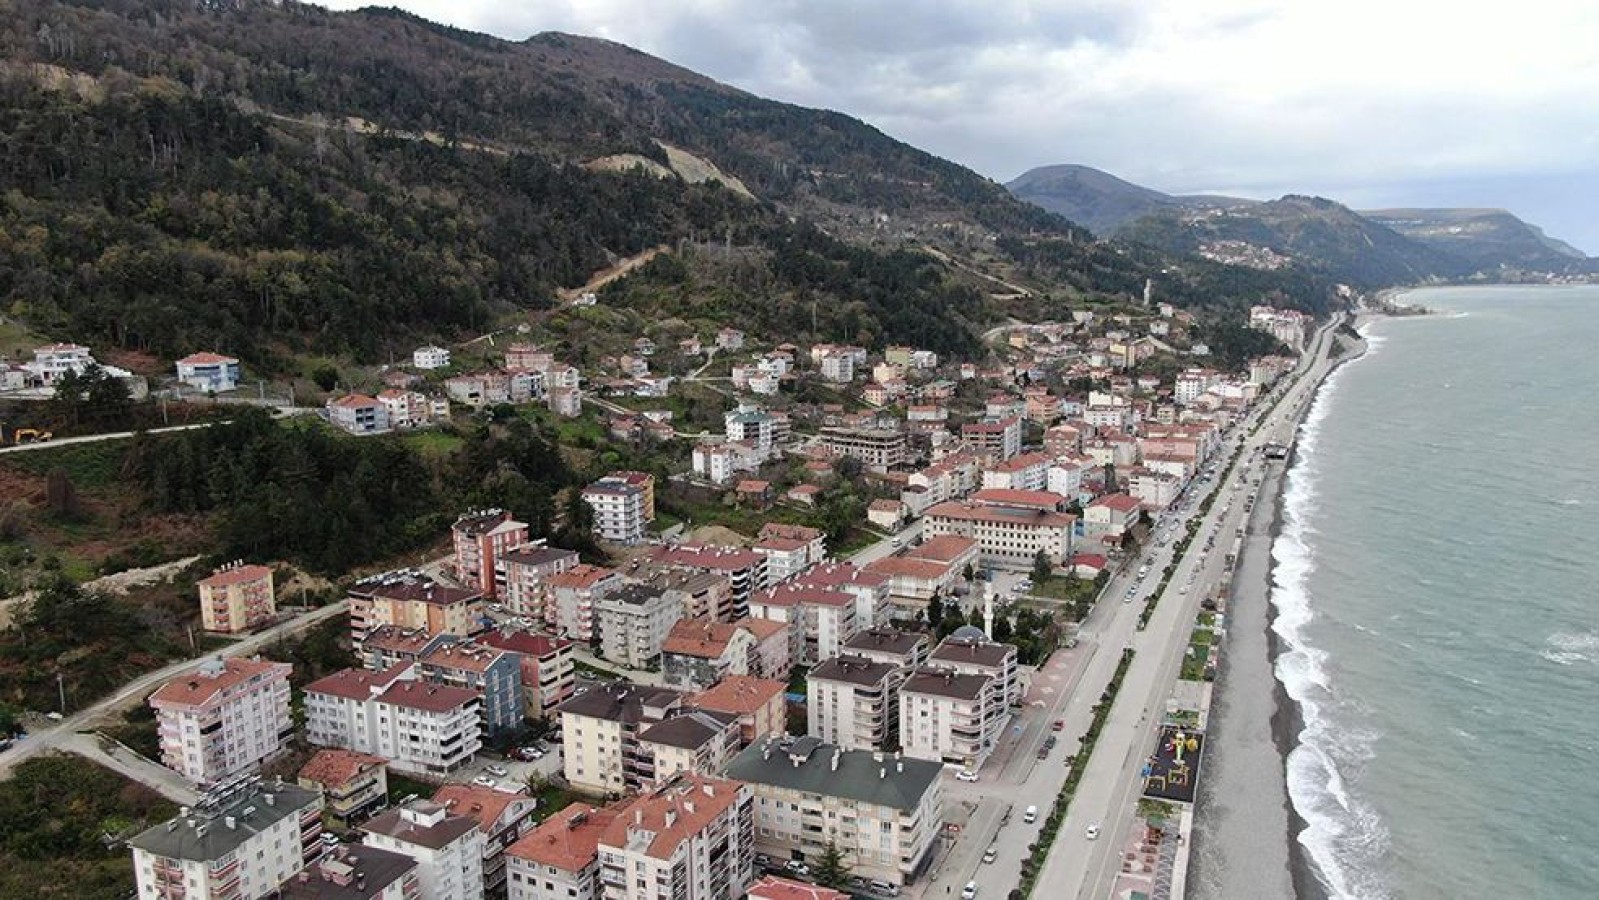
{"points": [[969, 892], [1092, 833], [965, 775], [497, 771], [484, 781]]}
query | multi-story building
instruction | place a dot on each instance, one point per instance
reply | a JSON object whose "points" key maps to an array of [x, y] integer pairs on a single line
{"points": [[882, 812], [1023, 472], [695, 740], [524, 574], [495, 674], [749, 424], [549, 674], [600, 731], [223, 719], [430, 358], [618, 511], [942, 716], [358, 414], [573, 595], [1009, 535], [482, 537], [838, 367], [237, 598], [968, 651], [241, 841], [699, 652], [407, 599], [1111, 516], [634, 622], [560, 859], [790, 549], [869, 589], [851, 702], [387, 646], [878, 449], [210, 372], [997, 439], [353, 785], [759, 704], [428, 729], [745, 570], [355, 872], [52, 362], [904, 649], [820, 619], [692, 839], [448, 848], [644, 481], [702, 594], [501, 816]]}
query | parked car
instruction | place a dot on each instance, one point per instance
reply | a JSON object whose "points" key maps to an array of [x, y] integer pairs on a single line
{"points": [[1060, 725], [498, 771], [965, 775], [484, 781], [797, 867], [969, 892]]}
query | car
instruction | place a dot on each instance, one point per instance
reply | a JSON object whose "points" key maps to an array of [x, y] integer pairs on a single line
{"points": [[798, 867], [484, 781], [969, 892], [1030, 815], [1092, 833], [990, 854], [1060, 725], [1127, 599], [329, 838], [857, 882], [1043, 752], [498, 771], [965, 775], [886, 889]]}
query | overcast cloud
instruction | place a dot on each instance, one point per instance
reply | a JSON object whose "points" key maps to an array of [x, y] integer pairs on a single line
{"points": [[1371, 102]]}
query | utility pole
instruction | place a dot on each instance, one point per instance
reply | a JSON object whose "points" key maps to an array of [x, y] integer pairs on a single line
{"points": [[61, 686]]}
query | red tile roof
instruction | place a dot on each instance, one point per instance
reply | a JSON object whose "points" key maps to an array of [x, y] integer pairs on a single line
{"points": [[197, 688], [525, 642], [356, 684], [739, 694], [1120, 502], [580, 576], [944, 548], [354, 401], [772, 887], [693, 801], [792, 594], [236, 575], [486, 805], [332, 767], [1011, 497], [427, 697], [568, 840], [206, 359]]}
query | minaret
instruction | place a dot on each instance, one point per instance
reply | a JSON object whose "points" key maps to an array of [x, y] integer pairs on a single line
{"points": [[988, 609]]}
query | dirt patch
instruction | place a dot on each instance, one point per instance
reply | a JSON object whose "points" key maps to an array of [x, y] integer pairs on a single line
{"points": [[716, 534], [609, 274]]}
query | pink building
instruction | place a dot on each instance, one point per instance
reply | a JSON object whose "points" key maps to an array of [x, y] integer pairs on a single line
{"points": [[482, 537]]}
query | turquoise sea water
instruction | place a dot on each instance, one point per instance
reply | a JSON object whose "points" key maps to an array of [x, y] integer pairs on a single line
{"points": [[1437, 591]]}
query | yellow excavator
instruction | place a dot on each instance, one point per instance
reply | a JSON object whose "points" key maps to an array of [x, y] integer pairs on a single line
{"points": [[14, 436]]}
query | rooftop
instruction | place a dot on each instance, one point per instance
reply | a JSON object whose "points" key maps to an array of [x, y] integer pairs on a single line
{"points": [[852, 669], [656, 823], [771, 887], [689, 730], [739, 694], [235, 575], [421, 822], [352, 872], [1011, 497], [568, 840], [975, 512], [792, 594], [886, 640], [213, 677], [944, 548], [581, 576], [331, 767], [203, 834], [624, 702], [486, 806], [206, 358], [358, 684], [538, 556], [807, 765], [529, 643], [946, 683], [426, 697], [981, 653], [470, 656]]}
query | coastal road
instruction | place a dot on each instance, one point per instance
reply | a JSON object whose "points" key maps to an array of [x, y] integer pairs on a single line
{"points": [[1081, 867], [64, 734]]}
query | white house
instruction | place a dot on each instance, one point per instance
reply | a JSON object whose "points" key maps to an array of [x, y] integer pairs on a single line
{"points": [[430, 358], [209, 372]]}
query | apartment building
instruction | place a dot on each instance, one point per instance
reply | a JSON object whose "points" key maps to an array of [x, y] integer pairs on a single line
{"points": [[448, 848], [695, 740], [692, 839], [1111, 516], [995, 439], [525, 573], [702, 594], [353, 785], [821, 620], [882, 812], [1023, 472], [751, 425], [790, 549], [969, 651], [387, 646], [904, 649], [600, 731], [237, 598], [481, 538], [870, 589], [942, 717], [430, 358], [560, 859], [549, 673], [502, 817], [408, 599], [878, 449], [495, 674], [618, 511], [428, 729], [745, 570], [851, 702], [644, 481], [354, 872], [223, 719], [838, 367], [241, 841], [700, 652], [358, 414], [634, 622], [759, 703], [573, 595]]}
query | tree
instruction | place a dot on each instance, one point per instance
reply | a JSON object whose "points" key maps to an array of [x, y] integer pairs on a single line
{"points": [[1002, 629], [935, 612], [830, 869], [1042, 570], [326, 377]]}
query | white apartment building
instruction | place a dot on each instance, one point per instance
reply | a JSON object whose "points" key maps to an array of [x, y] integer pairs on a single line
{"points": [[600, 730], [430, 358], [573, 595], [942, 717], [428, 729], [698, 741], [851, 702], [690, 840], [223, 719], [1023, 472], [749, 424], [968, 651], [882, 812], [619, 511], [634, 623], [241, 841], [838, 367], [821, 619], [524, 575], [448, 848]]}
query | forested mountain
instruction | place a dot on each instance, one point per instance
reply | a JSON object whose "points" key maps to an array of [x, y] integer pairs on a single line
{"points": [[1101, 201], [1486, 239], [271, 179]]}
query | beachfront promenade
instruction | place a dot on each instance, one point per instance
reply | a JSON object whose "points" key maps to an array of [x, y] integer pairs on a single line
{"points": [[1082, 867]]}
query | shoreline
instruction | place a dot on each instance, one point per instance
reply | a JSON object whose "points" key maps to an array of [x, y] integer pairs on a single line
{"points": [[1287, 719]]}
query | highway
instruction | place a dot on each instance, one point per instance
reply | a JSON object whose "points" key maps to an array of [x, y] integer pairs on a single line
{"points": [[1087, 868]]}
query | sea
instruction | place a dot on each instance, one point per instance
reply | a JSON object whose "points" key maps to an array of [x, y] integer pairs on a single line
{"points": [[1436, 592]]}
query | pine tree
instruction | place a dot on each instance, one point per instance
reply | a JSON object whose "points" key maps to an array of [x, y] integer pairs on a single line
{"points": [[830, 869]]}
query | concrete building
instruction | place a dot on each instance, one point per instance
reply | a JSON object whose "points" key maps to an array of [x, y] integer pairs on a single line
{"points": [[878, 449], [210, 372], [695, 740], [644, 481], [942, 717], [745, 570], [870, 589], [600, 732], [549, 671], [223, 719], [560, 859], [758, 703], [883, 813], [821, 620], [751, 425], [996, 439], [408, 599], [523, 575], [502, 817], [851, 702], [838, 367], [692, 839], [358, 414], [771, 887], [634, 622], [1010, 535], [481, 539], [573, 595], [427, 729], [448, 848], [241, 841], [968, 651], [353, 785], [237, 598], [904, 649], [700, 652], [355, 872], [430, 358], [618, 511], [495, 674]]}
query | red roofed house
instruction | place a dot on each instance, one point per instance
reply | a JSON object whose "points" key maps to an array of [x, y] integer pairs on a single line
{"points": [[502, 816], [754, 493], [210, 372], [352, 784], [1088, 565], [771, 887], [804, 494], [559, 859], [224, 718], [886, 514], [237, 598], [358, 414]]}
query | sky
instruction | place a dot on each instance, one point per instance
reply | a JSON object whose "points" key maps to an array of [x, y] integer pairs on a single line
{"points": [[1369, 102]]}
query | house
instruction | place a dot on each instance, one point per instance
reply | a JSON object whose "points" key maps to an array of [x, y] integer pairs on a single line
{"points": [[972, 653], [751, 425], [210, 372], [430, 358], [1088, 565], [426, 729], [559, 860], [481, 538], [502, 817], [729, 339], [718, 463], [408, 409], [997, 439], [759, 704], [526, 357], [804, 494], [771, 887], [565, 401], [260, 835], [1023, 472], [237, 598], [883, 814], [888, 515], [744, 569], [943, 717], [869, 590], [358, 414], [838, 368], [448, 848], [223, 719], [353, 785], [789, 549], [53, 361]]}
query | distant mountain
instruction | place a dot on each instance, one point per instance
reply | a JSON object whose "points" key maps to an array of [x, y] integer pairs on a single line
{"points": [[1101, 201], [1486, 239]]}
